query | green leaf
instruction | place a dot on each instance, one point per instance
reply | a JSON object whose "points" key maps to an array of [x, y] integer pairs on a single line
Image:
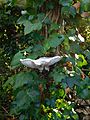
{"points": [[72, 11], [71, 32], [41, 16], [83, 89], [54, 26], [37, 47], [66, 44], [83, 62], [23, 117], [10, 81], [71, 81], [37, 51], [22, 102], [84, 94], [55, 40], [65, 11], [28, 49], [57, 75], [66, 2], [61, 93], [33, 94], [50, 5], [18, 3], [85, 5], [21, 98], [23, 78], [29, 27], [22, 20], [75, 48], [46, 46], [14, 1], [87, 54], [16, 60], [37, 36]]}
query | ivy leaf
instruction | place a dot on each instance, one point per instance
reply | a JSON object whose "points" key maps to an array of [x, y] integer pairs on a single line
{"points": [[10, 81], [29, 27], [87, 53], [71, 81], [65, 11], [50, 5], [28, 49], [23, 78], [41, 16], [65, 2], [66, 44], [22, 102], [54, 26], [23, 117], [33, 94], [21, 98], [85, 5], [16, 60], [72, 11], [68, 11], [55, 40], [37, 51], [83, 62], [22, 19], [46, 46], [57, 76], [75, 47], [37, 36], [61, 93], [84, 93]]}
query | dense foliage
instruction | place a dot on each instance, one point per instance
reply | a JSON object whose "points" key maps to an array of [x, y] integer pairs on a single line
{"points": [[35, 28]]}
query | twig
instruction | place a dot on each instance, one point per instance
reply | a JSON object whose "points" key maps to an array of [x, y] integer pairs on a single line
{"points": [[46, 15], [58, 15], [88, 70], [5, 110]]}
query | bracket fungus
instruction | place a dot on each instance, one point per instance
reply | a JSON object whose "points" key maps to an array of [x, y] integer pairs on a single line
{"points": [[41, 63]]}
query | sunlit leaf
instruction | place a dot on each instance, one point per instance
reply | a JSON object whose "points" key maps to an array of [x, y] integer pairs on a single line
{"points": [[82, 62]]}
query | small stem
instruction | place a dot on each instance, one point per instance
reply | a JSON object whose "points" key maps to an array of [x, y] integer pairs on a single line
{"points": [[46, 16], [58, 15], [5, 110], [88, 70], [46, 32]]}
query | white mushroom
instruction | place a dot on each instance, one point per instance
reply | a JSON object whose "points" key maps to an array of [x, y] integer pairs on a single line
{"points": [[41, 63]]}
